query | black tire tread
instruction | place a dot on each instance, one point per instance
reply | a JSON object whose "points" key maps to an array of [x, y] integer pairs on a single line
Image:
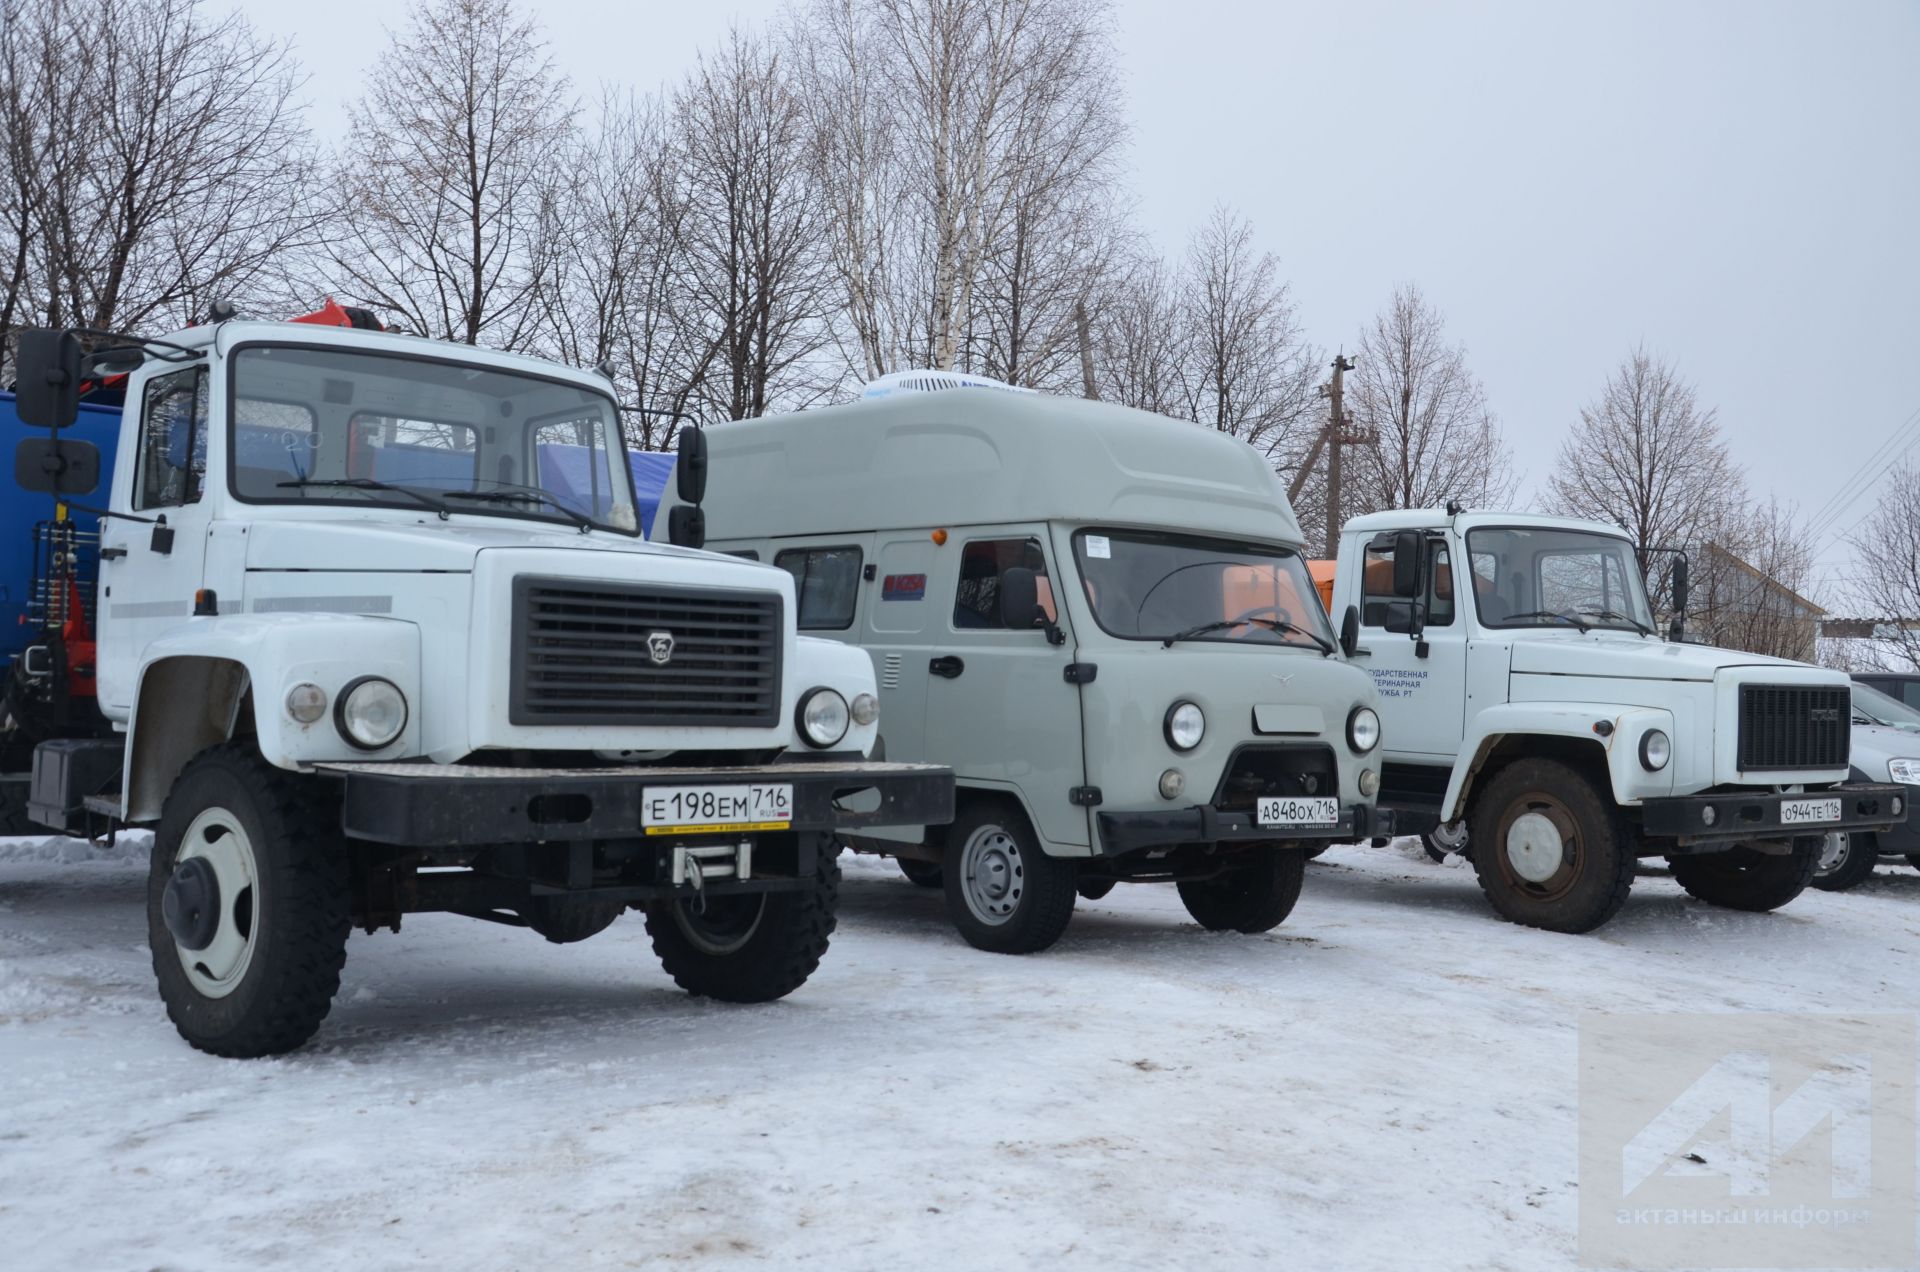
{"points": [[1257, 898], [1742, 879], [567, 920], [1051, 884], [1863, 854], [313, 877], [805, 920], [1502, 787]]}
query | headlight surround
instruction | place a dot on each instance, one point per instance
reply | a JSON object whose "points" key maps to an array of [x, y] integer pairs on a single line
{"points": [[306, 703], [370, 713], [1185, 725], [822, 717], [866, 709], [1905, 771], [1363, 730], [1656, 748]]}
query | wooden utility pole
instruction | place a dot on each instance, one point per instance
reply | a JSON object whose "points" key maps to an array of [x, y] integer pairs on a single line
{"points": [[1083, 329], [1335, 433]]}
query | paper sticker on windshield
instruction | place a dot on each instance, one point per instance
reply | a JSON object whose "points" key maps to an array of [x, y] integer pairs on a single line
{"points": [[1098, 548], [903, 587]]}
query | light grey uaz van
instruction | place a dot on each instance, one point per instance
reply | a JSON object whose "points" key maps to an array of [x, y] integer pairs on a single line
{"points": [[1101, 619]]}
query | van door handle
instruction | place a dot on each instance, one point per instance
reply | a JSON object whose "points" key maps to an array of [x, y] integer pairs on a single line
{"points": [[948, 666], [112, 554]]}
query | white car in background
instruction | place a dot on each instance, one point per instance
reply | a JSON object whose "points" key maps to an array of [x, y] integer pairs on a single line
{"points": [[1886, 748]]}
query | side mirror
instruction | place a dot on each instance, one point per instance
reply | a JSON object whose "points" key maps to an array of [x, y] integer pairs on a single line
{"points": [[1020, 598], [1408, 547], [1399, 617], [1680, 585], [687, 527], [47, 371], [690, 472], [49, 466], [1350, 631]]}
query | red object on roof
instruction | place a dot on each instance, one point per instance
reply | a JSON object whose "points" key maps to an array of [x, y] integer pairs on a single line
{"points": [[335, 314]]}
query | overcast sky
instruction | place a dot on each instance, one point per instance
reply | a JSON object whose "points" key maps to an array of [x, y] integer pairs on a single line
{"points": [[1735, 183]]}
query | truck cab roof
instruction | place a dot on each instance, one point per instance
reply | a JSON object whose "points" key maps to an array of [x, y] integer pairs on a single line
{"points": [[1428, 518]]}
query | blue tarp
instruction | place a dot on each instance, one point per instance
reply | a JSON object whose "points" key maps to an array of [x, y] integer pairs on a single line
{"points": [[21, 510]]}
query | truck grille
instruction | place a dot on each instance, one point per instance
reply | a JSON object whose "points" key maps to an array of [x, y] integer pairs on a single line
{"points": [[587, 653], [1795, 726]]}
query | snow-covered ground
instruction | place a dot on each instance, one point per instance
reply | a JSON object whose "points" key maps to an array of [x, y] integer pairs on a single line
{"points": [[1387, 1081]]}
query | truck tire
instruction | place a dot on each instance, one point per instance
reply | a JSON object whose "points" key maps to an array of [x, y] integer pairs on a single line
{"points": [[1255, 898], [564, 920], [1442, 840], [923, 874], [1549, 848], [1004, 894], [13, 811], [750, 947], [1913, 859], [1092, 889], [1743, 879], [1845, 861], [264, 915]]}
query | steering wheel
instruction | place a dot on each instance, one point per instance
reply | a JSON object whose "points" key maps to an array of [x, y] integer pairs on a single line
{"points": [[1279, 614]]}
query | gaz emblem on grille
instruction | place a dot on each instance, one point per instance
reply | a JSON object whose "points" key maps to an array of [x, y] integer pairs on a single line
{"points": [[660, 647]]}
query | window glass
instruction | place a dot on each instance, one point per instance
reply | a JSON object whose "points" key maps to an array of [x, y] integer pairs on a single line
{"points": [[1151, 586], [976, 601], [173, 440], [827, 583], [1548, 576], [1376, 577]]}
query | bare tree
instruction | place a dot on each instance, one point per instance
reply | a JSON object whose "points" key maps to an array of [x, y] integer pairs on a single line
{"points": [[1650, 459], [1434, 438], [448, 178], [1141, 340], [156, 160], [1887, 551], [1749, 582]]}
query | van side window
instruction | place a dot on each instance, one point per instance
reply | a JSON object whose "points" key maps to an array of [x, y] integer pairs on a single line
{"points": [[827, 582], [173, 440], [976, 601], [1376, 584]]}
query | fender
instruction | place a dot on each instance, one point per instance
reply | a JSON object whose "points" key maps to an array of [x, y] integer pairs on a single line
{"points": [[195, 679], [1573, 721]]}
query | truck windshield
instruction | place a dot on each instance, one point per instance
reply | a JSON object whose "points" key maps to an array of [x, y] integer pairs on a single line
{"points": [[1144, 585], [310, 424], [1545, 576]]}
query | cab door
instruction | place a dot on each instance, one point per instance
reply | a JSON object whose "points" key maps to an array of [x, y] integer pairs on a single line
{"points": [[902, 624], [1423, 683], [1000, 710], [150, 570]]}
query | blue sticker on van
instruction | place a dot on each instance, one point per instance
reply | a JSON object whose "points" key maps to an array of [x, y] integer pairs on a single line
{"points": [[904, 587]]}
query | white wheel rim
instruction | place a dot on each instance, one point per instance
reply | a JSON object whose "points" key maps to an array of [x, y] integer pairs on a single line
{"points": [[217, 838], [992, 875], [1534, 847], [1450, 838], [1833, 851]]}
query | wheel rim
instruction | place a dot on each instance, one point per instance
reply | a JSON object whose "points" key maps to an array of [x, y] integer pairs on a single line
{"points": [[726, 925], [992, 875], [217, 838], [1449, 838], [1540, 847], [1833, 851]]}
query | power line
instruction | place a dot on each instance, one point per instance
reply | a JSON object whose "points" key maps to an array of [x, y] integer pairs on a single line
{"points": [[1866, 475]]}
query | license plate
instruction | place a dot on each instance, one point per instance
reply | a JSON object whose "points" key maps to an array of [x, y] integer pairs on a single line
{"points": [[1296, 811], [684, 810], [1805, 812]]}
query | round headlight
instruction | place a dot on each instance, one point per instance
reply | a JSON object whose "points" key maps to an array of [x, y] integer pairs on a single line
{"points": [[866, 709], [1186, 724], [370, 713], [306, 703], [1363, 730], [1655, 750], [823, 717]]}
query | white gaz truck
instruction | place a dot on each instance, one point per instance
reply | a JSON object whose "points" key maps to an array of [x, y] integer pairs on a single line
{"points": [[1533, 718], [376, 633]]}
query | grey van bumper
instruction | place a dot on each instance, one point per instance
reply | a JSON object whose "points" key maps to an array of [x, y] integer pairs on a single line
{"points": [[1122, 833], [1741, 815]]}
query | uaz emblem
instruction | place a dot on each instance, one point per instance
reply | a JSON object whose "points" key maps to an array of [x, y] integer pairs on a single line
{"points": [[660, 647]]}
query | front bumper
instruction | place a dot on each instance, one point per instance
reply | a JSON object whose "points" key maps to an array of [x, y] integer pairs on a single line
{"points": [[1743, 815], [457, 805], [1122, 833]]}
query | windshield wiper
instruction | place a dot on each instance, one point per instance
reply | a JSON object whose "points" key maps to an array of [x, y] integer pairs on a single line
{"points": [[1565, 618], [521, 493], [1326, 646], [368, 483], [1617, 616]]}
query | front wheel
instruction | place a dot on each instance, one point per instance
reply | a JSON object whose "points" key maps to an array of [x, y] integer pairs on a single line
{"points": [[1442, 841], [1252, 898], [748, 947], [1747, 879], [1549, 847], [1845, 861], [1004, 894], [247, 905]]}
